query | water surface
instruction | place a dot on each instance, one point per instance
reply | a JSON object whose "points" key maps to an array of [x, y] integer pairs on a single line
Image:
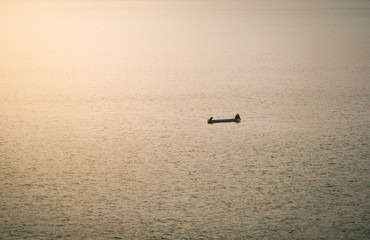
{"points": [[104, 108]]}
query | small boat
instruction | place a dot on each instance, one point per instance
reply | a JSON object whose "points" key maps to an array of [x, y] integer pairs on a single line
{"points": [[211, 120]]}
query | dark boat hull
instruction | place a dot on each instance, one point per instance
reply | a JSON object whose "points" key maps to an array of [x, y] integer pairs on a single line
{"points": [[223, 120]]}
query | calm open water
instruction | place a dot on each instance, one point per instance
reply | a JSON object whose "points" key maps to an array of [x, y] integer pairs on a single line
{"points": [[104, 108]]}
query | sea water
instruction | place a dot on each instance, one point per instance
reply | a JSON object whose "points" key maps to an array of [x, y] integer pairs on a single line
{"points": [[104, 108]]}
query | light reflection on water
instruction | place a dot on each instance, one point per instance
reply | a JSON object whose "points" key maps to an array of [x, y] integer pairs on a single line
{"points": [[103, 121]]}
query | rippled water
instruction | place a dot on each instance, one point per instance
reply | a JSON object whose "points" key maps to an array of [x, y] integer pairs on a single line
{"points": [[104, 108]]}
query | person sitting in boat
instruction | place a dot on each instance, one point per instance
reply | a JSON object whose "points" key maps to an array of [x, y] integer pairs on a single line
{"points": [[237, 116], [210, 119]]}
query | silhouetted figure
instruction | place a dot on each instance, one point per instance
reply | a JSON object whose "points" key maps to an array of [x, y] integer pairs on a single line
{"points": [[210, 119]]}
